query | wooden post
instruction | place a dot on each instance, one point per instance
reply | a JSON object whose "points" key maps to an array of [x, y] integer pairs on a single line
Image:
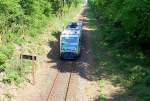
{"points": [[33, 59], [33, 70]]}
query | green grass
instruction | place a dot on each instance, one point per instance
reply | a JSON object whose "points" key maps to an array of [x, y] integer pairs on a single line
{"points": [[122, 65], [16, 71], [101, 93]]}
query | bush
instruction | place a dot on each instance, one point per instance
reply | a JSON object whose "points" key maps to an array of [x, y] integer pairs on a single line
{"points": [[2, 68], [3, 58], [12, 76], [24, 18], [9, 37], [16, 71], [125, 29], [131, 15], [7, 50]]}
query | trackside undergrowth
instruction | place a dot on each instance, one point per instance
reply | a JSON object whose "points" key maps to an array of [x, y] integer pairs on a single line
{"points": [[14, 70], [124, 66]]}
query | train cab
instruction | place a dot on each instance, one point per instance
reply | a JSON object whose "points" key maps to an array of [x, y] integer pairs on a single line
{"points": [[70, 41], [69, 46]]}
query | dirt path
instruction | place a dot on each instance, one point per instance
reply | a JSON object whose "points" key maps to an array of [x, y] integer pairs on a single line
{"points": [[82, 86]]}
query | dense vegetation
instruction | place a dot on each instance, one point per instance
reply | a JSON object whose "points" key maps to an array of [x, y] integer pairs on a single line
{"points": [[131, 16], [21, 19], [18, 16], [122, 43]]}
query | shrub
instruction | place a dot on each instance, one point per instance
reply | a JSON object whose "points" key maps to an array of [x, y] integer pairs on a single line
{"points": [[2, 68], [16, 71], [7, 50], [3, 58], [124, 26], [131, 15]]}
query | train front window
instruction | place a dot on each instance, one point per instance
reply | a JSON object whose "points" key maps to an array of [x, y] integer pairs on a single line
{"points": [[69, 40]]}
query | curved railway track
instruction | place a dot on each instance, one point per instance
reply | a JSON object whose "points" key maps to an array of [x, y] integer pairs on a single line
{"points": [[61, 83]]}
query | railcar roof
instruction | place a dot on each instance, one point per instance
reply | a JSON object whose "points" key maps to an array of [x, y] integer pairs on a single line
{"points": [[71, 31]]}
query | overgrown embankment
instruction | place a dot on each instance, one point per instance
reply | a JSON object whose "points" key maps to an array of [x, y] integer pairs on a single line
{"points": [[21, 25], [121, 46]]}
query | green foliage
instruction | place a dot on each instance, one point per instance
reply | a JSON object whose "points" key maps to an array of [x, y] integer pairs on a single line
{"points": [[13, 76], [2, 68], [3, 58], [58, 5], [16, 70], [9, 37], [116, 46], [5, 54], [131, 16], [21, 22], [29, 16], [7, 50]]}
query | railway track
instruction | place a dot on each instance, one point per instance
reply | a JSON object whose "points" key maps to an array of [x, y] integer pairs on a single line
{"points": [[62, 81]]}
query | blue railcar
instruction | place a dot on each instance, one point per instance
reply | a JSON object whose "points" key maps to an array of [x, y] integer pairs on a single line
{"points": [[70, 41]]}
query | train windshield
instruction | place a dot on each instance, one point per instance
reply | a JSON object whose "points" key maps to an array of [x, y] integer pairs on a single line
{"points": [[69, 40]]}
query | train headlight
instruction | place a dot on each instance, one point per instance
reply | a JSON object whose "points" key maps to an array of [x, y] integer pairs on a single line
{"points": [[74, 49], [62, 48]]}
